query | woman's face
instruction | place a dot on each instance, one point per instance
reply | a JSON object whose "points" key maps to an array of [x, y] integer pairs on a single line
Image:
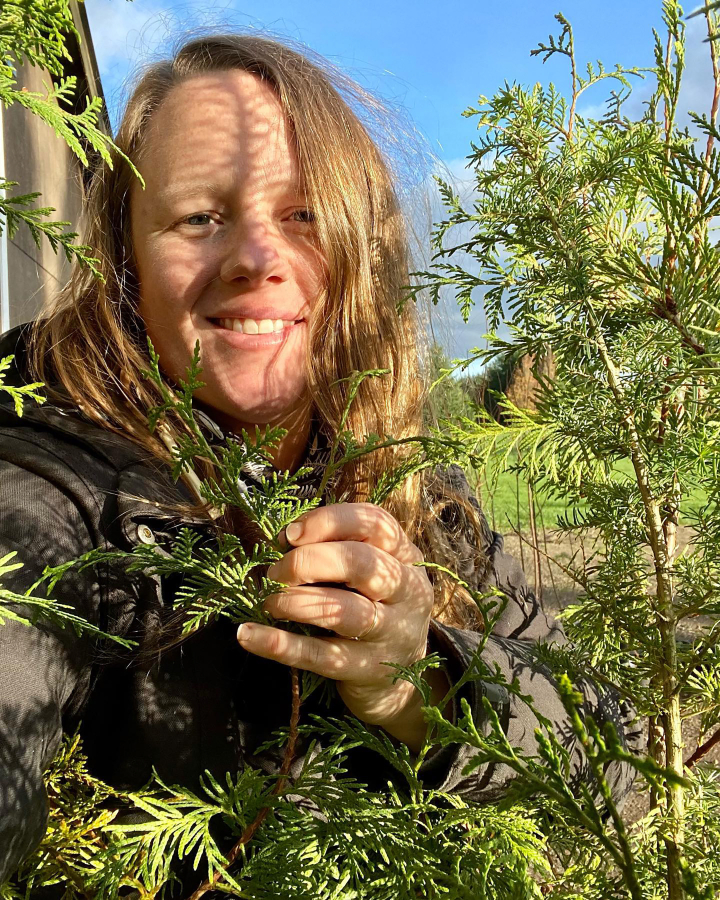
{"points": [[225, 248]]}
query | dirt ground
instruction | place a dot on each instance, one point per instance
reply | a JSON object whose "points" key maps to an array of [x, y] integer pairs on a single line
{"points": [[559, 590]]}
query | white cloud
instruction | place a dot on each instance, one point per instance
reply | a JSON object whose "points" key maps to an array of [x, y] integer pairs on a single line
{"points": [[127, 35], [697, 88], [696, 95], [444, 321]]}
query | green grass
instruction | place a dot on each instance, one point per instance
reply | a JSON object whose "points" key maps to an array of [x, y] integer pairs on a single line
{"points": [[507, 506]]}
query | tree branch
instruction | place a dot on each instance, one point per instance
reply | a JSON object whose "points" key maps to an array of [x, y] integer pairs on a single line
{"points": [[249, 832], [703, 750]]}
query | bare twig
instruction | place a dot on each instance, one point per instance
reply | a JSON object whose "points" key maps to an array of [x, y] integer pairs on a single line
{"points": [[517, 505], [546, 552], [249, 832], [565, 569], [535, 543], [703, 750]]}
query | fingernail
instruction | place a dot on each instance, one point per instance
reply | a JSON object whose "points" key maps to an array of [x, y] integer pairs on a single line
{"points": [[243, 632], [283, 542], [294, 531]]}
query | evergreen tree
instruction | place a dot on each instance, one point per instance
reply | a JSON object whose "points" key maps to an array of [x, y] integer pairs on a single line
{"points": [[599, 232], [448, 398], [598, 235], [35, 32]]}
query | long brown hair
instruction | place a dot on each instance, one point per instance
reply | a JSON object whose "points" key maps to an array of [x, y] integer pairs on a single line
{"points": [[92, 341]]}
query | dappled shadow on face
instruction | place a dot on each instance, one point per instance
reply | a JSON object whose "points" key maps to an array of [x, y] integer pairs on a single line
{"points": [[221, 142]]}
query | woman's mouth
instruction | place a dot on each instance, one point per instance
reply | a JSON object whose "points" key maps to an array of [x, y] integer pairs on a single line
{"points": [[255, 326]]}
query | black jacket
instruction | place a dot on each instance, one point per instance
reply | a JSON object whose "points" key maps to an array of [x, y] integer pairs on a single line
{"points": [[67, 486]]}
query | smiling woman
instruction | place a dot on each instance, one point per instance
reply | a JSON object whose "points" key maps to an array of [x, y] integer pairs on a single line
{"points": [[267, 230], [233, 262]]}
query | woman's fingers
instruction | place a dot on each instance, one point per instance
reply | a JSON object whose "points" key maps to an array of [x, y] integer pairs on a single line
{"points": [[362, 522], [334, 658], [341, 611], [363, 568], [380, 596]]}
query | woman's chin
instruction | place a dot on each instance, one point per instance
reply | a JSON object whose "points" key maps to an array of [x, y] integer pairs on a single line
{"points": [[233, 413]]}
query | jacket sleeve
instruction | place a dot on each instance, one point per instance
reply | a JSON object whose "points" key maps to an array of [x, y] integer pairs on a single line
{"points": [[510, 647], [42, 668]]}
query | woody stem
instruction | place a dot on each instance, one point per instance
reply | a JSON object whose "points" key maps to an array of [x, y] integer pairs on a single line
{"points": [[250, 830]]}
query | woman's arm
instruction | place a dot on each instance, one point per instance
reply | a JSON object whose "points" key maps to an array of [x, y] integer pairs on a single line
{"points": [[40, 666]]}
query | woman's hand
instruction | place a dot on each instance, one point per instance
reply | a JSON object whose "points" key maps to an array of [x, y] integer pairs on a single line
{"points": [[384, 601]]}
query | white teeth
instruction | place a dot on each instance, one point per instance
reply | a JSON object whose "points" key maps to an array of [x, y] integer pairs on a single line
{"points": [[253, 326]]}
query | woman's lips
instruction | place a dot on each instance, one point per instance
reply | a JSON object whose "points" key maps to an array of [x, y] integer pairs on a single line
{"points": [[243, 333]]}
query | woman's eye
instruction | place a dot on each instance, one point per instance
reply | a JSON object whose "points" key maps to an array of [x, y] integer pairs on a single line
{"points": [[304, 215], [192, 220]]}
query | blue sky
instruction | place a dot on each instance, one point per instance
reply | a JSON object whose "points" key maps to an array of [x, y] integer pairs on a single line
{"points": [[431, 57]]}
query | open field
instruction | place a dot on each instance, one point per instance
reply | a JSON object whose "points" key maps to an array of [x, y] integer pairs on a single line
{"points": [[558, 590], [506, 500]]}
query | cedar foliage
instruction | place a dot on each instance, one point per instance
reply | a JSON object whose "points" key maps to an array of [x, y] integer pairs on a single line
{"points": [[598, 235], [35, 32], [247, 834]]}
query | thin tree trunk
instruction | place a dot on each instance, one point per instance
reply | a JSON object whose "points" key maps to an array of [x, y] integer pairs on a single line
{"points": [[535, 544], [656, 750], [667, 626]]}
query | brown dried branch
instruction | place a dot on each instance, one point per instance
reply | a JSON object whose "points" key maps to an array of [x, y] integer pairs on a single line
{"points": [[249, 832], [703, 750]]}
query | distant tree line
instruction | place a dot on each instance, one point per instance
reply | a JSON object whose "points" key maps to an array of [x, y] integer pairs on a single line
{"points": [[514, 377]]}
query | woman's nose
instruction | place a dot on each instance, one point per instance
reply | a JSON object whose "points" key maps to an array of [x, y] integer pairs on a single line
{"points": [[253, 254]]}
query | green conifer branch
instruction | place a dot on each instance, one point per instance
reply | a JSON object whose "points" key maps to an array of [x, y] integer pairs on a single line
{"points": [[35, 32]]}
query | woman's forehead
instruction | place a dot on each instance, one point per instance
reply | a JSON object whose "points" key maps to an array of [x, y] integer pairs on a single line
{"points": [[226, 100], [216, 127]]}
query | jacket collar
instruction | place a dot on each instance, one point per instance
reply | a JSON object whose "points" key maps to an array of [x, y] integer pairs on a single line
{"points": [[317, 456], [145, 490]]}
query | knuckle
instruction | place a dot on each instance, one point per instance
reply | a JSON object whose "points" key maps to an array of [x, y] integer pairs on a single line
{"points": [[428, 599], [314, 655], [333, 612], [416, 554], [429, 605], [358, 560], [349, 555], [375, 520], [299, 562], [324, 656], [272, 605], [387, 524], [334, 660], [387, 532], [425, 592], [276, 642]]}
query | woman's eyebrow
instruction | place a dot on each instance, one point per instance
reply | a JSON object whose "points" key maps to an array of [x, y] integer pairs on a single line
{"points": [[178, 191], [174, 192]]}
